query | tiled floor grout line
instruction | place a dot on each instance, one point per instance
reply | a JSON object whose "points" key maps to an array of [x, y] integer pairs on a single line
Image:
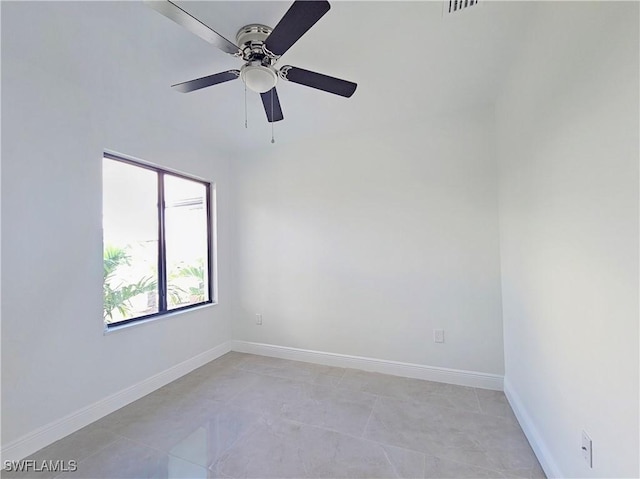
{"points": [[352, 436], [238, 440], [302, 423], [364, 431], [383, 444], [238, 393], [344, 372], [422, 401], [393, 467], [430, 454], [475, 393], [282, 376], [339, 382]]}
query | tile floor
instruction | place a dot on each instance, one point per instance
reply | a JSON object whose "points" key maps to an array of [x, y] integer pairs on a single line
{"points": [[252, 416]]}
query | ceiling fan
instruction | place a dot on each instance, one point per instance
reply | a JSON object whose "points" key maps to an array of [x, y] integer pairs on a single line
{"points": [[260, 47]]}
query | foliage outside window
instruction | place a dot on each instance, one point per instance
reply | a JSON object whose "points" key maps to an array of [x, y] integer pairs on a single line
{"points": [[156, 241]]}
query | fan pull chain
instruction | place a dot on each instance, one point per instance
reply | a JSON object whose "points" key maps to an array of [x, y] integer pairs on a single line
{"points": [[245, 105], [272, 122]]}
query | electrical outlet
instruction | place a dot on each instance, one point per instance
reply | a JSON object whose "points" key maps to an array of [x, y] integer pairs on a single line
{"points": [[438, 335], [259, 319], [587, 449]]}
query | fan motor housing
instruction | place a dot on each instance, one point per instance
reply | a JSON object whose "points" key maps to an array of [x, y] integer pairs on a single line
{"points": [[253, 33], [250, 39]]}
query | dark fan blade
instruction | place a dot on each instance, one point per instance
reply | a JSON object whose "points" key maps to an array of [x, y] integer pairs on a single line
{"points": [[300, 17], [204, 82], [273, 110], [181, 17], [319, 81]]}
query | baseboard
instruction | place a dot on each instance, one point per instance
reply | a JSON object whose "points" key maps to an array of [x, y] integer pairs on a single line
{"points": [[538, 445], [45, 435], [416, 371]]}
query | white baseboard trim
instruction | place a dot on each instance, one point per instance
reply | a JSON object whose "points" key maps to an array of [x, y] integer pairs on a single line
{"points": [[538, 445], [48, 434], [416, 371]]}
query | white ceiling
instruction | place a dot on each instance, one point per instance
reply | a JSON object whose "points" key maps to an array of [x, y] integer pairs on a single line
{"points": [[409, 61]]}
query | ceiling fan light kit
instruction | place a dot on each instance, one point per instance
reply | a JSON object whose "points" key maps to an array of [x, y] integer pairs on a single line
{"points": [[260, 47], [258, 78]]}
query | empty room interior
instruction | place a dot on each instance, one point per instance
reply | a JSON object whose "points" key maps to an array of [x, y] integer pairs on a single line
{"points": [[320, 239]]}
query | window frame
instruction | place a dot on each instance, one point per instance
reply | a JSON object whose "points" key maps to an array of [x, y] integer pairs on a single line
{"points": [[162, 252]]}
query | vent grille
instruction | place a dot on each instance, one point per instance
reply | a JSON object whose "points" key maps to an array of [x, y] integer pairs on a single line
{"points": [[454, 6]]}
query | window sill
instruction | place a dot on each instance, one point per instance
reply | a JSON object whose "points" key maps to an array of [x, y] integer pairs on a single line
{"points": [[116, 328]]}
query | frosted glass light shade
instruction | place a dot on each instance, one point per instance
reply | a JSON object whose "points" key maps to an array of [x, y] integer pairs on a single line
{"points": [[258, 78]]}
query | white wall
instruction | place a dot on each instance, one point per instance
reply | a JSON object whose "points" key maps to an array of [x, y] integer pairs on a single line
{"points": [[568, 135], [363, 245], [70, 89]]}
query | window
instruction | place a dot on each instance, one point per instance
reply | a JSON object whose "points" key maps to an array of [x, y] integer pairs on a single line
{"points": [[156, 241]]}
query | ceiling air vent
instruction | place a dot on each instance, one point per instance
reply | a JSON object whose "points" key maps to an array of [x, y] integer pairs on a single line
{"points": [[455, 6]]}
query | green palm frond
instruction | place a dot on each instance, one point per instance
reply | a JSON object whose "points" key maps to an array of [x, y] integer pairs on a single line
{"points": [[119, 297]]}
